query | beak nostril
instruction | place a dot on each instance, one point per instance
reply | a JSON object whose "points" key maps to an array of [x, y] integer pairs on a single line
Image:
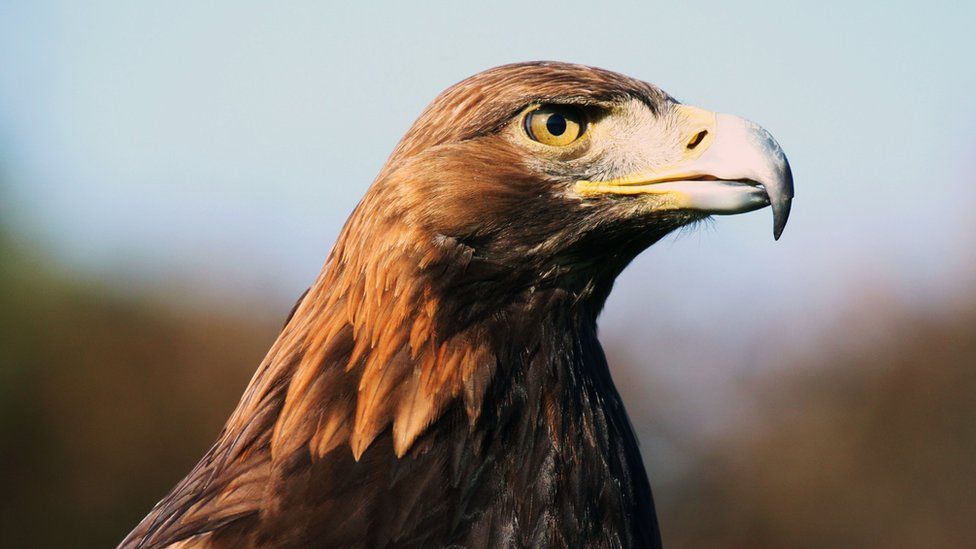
{"points": [[695, 141]]}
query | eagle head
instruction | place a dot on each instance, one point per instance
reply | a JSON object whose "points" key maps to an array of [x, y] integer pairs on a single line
{"points": [[557, 174]]}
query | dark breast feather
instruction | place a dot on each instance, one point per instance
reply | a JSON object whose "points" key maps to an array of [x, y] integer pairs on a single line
{"points": [[550, 461]]}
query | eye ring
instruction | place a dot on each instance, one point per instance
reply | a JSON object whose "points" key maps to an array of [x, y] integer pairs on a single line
{"points": [[555, 125]]}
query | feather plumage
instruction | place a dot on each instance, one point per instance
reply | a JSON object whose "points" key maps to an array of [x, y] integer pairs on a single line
{"points": [[441, 384]]}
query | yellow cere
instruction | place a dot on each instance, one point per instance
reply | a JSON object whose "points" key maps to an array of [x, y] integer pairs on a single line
{"points": [[697, 127]]}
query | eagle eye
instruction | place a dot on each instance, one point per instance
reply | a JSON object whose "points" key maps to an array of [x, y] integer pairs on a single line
{"points": [[555, 125]]}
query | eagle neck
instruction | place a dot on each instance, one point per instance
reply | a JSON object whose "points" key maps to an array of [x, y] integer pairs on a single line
{"points": [[561, 425]]}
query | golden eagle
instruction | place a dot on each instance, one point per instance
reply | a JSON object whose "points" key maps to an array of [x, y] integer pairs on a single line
{"points": [[441, 382]]}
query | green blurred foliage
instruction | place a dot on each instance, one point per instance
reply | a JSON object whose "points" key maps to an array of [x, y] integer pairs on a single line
{"points": [[106, 400]]}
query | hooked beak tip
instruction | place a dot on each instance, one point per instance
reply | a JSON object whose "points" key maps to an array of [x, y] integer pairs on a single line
{"points": [[781, 200]]}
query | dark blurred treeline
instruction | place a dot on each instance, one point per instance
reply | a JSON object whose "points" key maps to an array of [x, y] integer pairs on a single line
{"points": [[108, 398], [868, 445]]}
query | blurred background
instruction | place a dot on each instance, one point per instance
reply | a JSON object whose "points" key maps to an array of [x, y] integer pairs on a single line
{"points": [[172, 176]]}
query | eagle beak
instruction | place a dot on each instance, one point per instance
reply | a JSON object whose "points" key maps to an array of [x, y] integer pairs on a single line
{"points": [[728, 166]]}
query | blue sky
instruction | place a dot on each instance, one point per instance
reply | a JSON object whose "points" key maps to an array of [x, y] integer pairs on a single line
{"points": [[224, 144]]}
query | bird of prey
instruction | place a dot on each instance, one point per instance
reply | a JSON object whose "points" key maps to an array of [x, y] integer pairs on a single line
{"points": [[441, 383]]}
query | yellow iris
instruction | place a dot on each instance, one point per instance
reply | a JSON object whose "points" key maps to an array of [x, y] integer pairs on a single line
{"points": [[555, 125]]}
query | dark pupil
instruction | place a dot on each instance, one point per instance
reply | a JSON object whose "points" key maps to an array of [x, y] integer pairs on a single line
{"points": [[556, 124]]}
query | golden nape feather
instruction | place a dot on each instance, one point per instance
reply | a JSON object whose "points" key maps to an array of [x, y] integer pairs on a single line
{"points": [[441, 382]]}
